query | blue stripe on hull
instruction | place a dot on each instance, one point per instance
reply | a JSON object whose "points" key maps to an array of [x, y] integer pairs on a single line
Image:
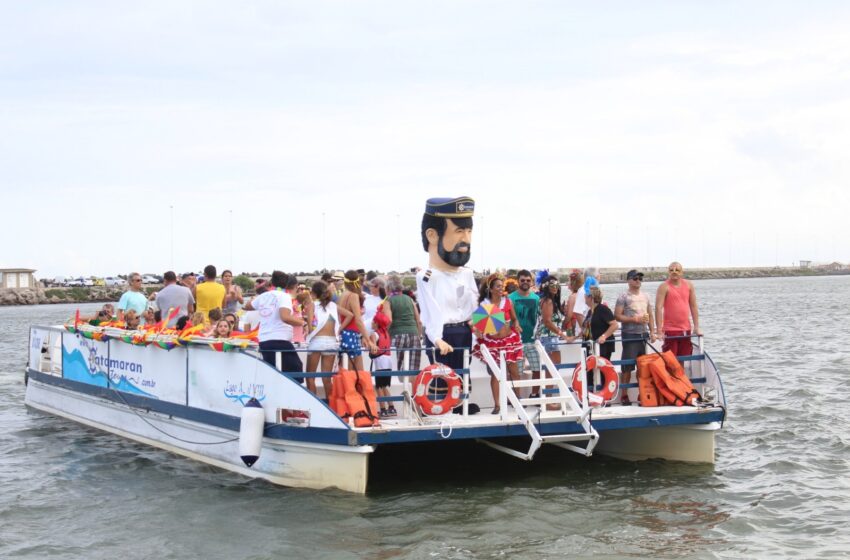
{"points": [[335, 436], [514, 430], [273, 431]]}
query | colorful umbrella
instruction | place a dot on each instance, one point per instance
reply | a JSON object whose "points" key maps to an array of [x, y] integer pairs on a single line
{"points": [[488, 318]]}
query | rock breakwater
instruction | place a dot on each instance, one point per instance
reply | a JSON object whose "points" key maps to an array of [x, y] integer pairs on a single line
{"points": [[38, 295]]}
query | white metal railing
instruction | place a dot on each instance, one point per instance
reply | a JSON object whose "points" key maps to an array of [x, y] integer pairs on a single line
{"points": [[566, 400]]}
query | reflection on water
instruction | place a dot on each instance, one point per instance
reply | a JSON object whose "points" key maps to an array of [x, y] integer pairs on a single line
{"points": [[780, 485]]}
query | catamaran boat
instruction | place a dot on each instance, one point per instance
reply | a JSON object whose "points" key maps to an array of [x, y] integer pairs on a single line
{"points": [[218, 402]]}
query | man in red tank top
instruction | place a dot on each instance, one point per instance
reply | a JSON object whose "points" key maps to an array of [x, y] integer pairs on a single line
{"points": [[675, 306]]}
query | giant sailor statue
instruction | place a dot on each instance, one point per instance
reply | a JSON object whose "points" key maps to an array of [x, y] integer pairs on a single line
{"points": [[446, 290]]}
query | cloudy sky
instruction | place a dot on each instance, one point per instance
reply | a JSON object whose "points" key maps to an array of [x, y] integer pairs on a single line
{"points": [[138, 136]]}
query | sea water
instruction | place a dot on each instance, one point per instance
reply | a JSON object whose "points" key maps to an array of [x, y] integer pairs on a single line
{"points": [[780, 486]]}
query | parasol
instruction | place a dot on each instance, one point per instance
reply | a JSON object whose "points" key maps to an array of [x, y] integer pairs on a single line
{"points": [[488, 318]]}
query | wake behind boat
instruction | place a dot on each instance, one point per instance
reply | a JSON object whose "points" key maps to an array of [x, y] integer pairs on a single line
{"points": [[190, 397]]}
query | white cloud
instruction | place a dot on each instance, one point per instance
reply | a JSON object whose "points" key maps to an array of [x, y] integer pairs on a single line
{"points": [[714, 143]]}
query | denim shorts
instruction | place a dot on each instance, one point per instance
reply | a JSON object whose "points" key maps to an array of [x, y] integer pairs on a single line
{"points": [[551, 343]]}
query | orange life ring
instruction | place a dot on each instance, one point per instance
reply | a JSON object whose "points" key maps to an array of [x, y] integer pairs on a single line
{"points": [[611, 379], [423, 382]]}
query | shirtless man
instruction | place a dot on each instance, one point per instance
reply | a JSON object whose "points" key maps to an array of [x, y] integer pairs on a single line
{"points": [[675, 306]]}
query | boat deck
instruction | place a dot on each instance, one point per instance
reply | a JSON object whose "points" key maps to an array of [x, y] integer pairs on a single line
{"points": [[485, 424]]}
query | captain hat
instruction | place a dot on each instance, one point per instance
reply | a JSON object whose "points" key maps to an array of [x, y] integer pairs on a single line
{"points": [[460, 207]]}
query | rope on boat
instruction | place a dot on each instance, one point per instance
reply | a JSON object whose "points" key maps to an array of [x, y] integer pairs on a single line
{"points": [[146, 421], [443, 424]]}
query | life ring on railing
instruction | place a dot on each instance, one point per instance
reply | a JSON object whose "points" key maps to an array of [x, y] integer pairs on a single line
{"points": [[423, 381], [611, 381]]}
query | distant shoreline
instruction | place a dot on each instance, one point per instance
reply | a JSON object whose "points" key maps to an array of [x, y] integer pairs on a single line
{"points": [[657, 274], [47, 296]]}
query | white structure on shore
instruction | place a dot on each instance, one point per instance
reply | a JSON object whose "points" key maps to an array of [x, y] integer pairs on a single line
{"points": [[17, 278]]}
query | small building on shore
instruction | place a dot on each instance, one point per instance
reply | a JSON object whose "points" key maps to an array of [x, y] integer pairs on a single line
{"points": [[17, 278]]}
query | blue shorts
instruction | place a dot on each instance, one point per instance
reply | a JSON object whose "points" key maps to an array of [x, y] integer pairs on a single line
{"points": [[350, 344], [551, 343]]}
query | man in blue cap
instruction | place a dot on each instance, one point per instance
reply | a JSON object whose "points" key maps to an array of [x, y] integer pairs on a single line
{"points": [[446, 291]]}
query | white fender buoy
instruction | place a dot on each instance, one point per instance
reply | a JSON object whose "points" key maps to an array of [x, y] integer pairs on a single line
{"points": [[251, 431]]}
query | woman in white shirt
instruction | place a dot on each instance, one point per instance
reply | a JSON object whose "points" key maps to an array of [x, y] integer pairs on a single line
{"points": [[323, 337]]}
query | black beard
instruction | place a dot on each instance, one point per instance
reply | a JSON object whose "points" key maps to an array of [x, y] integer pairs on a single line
{"points": [[454, 257]]}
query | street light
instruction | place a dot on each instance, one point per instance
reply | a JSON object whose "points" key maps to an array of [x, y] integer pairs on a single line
{"points": [[171, 208]]}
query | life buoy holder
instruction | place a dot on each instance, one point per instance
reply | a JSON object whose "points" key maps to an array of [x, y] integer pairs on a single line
{"points": [[423, 381], [611, 381]]}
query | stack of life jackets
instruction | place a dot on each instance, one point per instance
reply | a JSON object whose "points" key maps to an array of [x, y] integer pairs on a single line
{"points": [[662, 381], [353, 397]]}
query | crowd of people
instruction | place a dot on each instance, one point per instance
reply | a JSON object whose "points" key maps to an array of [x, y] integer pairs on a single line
{"points": [[354, 312]]}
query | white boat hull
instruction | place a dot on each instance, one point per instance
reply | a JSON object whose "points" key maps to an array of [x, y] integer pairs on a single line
{"points": [[688, 443], [289, 463], [188, 400]]}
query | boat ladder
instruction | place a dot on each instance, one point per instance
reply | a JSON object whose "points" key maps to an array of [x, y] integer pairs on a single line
{"points": [[569, 408]]}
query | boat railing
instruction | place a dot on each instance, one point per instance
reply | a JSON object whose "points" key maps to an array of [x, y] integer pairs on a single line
{"points": [[405, 375], [590, 348], [50, 361]]}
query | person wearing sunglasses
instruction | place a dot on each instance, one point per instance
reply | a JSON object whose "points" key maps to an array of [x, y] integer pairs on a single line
{"points": [[133, 298], [234, 322], [675, 307], [506, 339], [634, 313], [551, 319], [527, 308]]}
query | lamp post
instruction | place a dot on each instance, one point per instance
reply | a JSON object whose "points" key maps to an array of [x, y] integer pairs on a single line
{"points": [[171, 208]]}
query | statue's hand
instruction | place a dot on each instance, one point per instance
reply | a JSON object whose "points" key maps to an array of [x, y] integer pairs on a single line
{"points": [[443, 347]]}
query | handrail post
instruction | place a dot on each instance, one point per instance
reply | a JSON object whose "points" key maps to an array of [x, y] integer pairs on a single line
{"points": [[583, 373], [503, 385], [405, 382], [465, 385], [702, 359], [596, 369]]}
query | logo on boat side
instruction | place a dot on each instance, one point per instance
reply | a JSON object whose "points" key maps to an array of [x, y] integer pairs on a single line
{"points": [[237, 392], [102, 363]]}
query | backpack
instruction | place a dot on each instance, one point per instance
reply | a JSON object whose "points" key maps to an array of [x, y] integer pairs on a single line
{"points": [[381, 323]]}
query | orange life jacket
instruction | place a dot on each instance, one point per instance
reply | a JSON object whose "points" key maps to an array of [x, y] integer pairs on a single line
{"points": [[647, 392], [668, 376], [353, 395]]}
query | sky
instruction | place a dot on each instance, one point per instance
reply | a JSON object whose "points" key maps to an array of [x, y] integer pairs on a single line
{"points": [[307, 135]]}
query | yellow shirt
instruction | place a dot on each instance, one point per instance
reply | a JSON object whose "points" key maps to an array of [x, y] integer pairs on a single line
{"points": [[208, 295]]}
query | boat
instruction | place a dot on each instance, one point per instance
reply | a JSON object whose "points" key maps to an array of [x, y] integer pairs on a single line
{"points": [[192, 397]]}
